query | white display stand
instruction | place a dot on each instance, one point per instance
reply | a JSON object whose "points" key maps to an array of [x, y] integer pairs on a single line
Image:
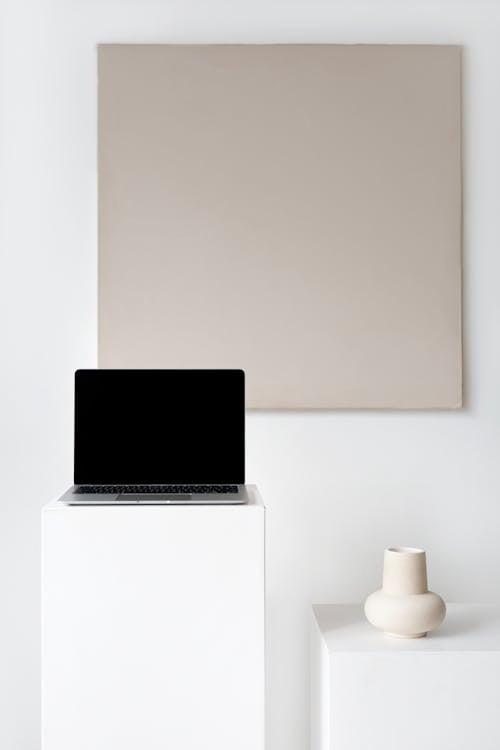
{"points": [[153, 627], [371, 692]]}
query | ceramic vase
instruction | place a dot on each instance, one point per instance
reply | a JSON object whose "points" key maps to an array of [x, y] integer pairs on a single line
{"points": [[404, 607]]}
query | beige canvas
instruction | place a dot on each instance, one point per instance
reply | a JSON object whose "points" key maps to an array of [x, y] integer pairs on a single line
{"points": [[292, 210]]}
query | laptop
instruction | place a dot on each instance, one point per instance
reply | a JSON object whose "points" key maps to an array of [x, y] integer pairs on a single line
{"points": [[156, 437]]}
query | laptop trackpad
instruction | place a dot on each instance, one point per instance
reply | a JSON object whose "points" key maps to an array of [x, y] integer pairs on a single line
{"points": [[155, 498]]}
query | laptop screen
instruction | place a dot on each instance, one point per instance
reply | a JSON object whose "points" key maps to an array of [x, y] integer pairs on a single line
{"points": [[159, 427]]}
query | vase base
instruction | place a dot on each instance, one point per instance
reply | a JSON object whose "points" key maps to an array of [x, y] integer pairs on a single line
{"points": [[398, 635]]}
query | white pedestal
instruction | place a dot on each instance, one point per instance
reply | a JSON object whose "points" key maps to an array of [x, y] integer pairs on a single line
{"points": [[378, 693], [153, 627]]}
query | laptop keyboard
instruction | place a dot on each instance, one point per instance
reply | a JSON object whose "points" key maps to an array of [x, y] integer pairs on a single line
{"points": [[152, 489]]}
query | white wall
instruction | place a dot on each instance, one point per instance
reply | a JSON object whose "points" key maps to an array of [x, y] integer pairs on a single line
{"points": [[338, 486]]}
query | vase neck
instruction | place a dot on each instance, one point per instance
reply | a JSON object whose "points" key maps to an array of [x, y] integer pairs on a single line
{"points": [[405, 571]]}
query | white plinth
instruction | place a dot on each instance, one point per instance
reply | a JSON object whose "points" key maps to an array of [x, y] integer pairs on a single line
{"points": [[153, 627], [370, 692]]}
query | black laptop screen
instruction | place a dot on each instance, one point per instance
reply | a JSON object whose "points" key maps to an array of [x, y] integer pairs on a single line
{"points": [[159, 427]]}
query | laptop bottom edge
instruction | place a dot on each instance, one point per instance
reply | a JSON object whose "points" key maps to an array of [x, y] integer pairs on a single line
{"points": [[73, 497]]}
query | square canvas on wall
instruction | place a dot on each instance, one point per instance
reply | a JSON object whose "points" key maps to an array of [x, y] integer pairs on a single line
{"points": [[293, 210]]}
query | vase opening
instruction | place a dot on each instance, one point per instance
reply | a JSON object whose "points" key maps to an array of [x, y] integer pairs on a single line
{"points": [[406, 550]]}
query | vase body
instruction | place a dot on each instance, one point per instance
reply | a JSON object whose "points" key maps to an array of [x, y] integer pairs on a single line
{"points": [[404, 607]]}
